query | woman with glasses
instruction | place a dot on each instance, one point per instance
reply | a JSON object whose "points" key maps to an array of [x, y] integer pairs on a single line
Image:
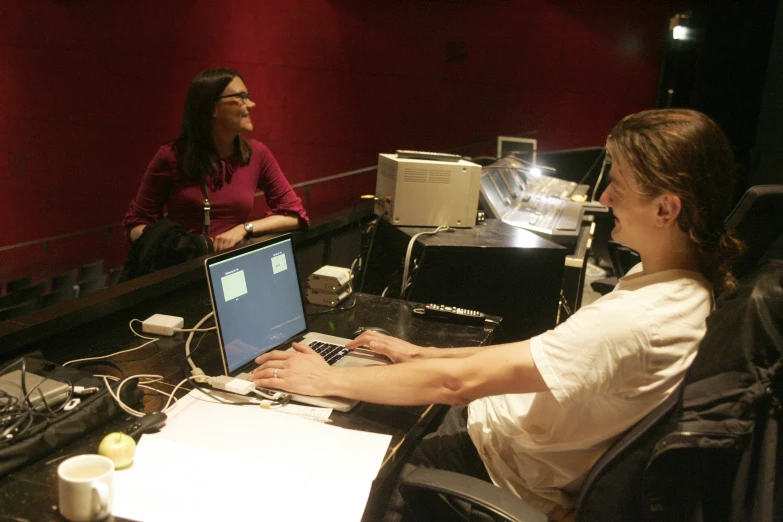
{"points": [[212, 160]]}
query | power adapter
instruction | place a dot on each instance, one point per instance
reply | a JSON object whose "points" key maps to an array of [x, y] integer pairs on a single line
{"points": [[160, 324], [230, 384]]}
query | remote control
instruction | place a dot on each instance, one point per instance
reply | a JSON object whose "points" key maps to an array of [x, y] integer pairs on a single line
{"points": [[454, 314], [150, 422], [434, 156]]}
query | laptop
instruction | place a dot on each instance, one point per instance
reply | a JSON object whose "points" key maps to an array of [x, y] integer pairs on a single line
{"points": [[42, 391], [259, 307]]}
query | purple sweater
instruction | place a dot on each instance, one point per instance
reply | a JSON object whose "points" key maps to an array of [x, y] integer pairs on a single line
{"points": [[164, 185]]}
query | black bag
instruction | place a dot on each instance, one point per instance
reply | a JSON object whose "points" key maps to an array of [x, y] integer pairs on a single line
{"points": [[714, 451], [48, 434], [161, 245]]}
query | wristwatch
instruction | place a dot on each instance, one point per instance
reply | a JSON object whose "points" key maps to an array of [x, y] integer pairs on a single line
{"points": [[249, 228]]}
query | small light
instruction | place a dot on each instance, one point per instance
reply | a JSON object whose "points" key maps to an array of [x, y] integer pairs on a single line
{"points": [[680, 32], [535, 172]]}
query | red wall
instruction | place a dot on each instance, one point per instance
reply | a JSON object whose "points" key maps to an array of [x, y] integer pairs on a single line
{"points": [[90, 89]]}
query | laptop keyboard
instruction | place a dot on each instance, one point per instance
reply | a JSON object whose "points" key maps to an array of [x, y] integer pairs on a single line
{"points": [[330, 352]]}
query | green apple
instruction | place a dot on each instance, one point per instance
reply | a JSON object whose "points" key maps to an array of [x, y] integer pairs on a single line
{"points": [[119, 447]]}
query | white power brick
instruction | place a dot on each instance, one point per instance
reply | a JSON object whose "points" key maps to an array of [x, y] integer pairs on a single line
{"points": [[329, 278], [160, 324]]}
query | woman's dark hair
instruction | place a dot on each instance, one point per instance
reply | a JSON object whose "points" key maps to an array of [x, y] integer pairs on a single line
{"points": [[685, 153], [195, 147]]}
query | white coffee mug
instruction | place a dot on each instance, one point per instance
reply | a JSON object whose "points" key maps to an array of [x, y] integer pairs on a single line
{"points": [[86, 487]]}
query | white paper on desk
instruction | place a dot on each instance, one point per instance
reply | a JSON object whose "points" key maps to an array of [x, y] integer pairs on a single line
{"points": [[285, 440], [211, 458], [200, 484]]}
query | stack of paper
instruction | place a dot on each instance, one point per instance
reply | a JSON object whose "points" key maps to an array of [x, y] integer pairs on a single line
{"points": [[216, 461]]}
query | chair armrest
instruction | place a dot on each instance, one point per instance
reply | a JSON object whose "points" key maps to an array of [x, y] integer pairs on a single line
{"points": [[472, 490]]}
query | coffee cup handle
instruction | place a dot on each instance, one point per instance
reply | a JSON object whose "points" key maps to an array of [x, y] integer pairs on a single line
{"points": [[100, 499]]}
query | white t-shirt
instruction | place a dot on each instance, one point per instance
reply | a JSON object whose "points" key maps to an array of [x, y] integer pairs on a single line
{"points": [[607, 367]]}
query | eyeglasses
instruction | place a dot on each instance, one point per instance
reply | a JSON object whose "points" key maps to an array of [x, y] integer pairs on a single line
{"points": [[243, 96]]}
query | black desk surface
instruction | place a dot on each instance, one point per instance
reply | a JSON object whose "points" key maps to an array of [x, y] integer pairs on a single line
{"points": [[31, 492]]}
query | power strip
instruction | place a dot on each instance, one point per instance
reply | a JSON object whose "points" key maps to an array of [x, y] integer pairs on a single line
{"points": [[160, 324]]}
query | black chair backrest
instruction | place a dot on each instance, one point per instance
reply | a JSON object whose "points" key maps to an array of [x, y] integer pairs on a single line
{"points": [[758, 220]]}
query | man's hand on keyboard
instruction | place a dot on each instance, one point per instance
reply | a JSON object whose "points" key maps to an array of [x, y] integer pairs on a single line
{"points": [[395, 349], [301, 370]]}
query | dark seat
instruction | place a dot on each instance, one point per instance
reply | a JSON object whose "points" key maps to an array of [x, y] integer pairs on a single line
{"points": [[19, 309], [68, 279], [92, 285], [58, 296], [22, 295], [115, 274], [758, 220], [18, 284], [90, 271], [623, 259]]}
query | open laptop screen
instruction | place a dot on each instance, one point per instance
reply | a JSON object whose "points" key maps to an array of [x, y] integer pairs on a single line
{"points": [[257, 300]]}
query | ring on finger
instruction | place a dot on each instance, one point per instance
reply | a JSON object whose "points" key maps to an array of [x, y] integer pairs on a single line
{"points": [[274, 373]]}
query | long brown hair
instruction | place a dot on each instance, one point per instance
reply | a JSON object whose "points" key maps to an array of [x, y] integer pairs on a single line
{"points": [[685, 153], [195, 147]]}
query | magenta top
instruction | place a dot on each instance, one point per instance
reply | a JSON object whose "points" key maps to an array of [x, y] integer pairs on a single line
{"points": [[231, 202]]}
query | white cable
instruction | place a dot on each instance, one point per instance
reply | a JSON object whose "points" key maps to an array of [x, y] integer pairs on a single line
{"points": [[600, 177], [130, 325], [404, 285], [99, 357], [195, 369], [195, 330], [150, 379], [151, 388]]}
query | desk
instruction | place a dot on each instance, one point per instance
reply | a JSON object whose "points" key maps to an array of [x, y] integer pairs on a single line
{"points": [[31, 493]]}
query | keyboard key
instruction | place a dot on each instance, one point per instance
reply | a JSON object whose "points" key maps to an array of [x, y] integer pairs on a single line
{"points": [[331, 353]]}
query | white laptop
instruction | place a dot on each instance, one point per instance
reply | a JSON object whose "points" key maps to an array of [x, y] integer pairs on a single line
{"points": [[259, 307]]}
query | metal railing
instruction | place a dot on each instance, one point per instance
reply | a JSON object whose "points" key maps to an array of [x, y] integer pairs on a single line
{"points": [[108, 228]]}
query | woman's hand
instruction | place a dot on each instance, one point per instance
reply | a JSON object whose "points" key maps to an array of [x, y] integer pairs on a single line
{"points": [[299, 371], [395, 349], [229, 238]]}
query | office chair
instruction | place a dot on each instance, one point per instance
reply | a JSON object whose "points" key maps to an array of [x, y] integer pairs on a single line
{"points": [[733, 392], [757, 219]]}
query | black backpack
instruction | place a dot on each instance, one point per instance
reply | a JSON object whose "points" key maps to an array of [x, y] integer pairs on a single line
{"points": [[163, 244]]}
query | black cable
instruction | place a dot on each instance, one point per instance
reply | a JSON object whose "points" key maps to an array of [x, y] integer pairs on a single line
{"points": [[369, 249], [336, 310], [102, 363], [599, 157]]}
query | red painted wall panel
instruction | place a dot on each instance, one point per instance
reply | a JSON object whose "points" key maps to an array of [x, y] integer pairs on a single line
{"points": [[89, 90]]}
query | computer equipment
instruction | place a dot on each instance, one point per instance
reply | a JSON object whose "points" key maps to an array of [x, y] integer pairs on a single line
{"points": [[427, 193], [38, 388], [493, 267], [521, 148], [259, 307], [515, 192]]}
